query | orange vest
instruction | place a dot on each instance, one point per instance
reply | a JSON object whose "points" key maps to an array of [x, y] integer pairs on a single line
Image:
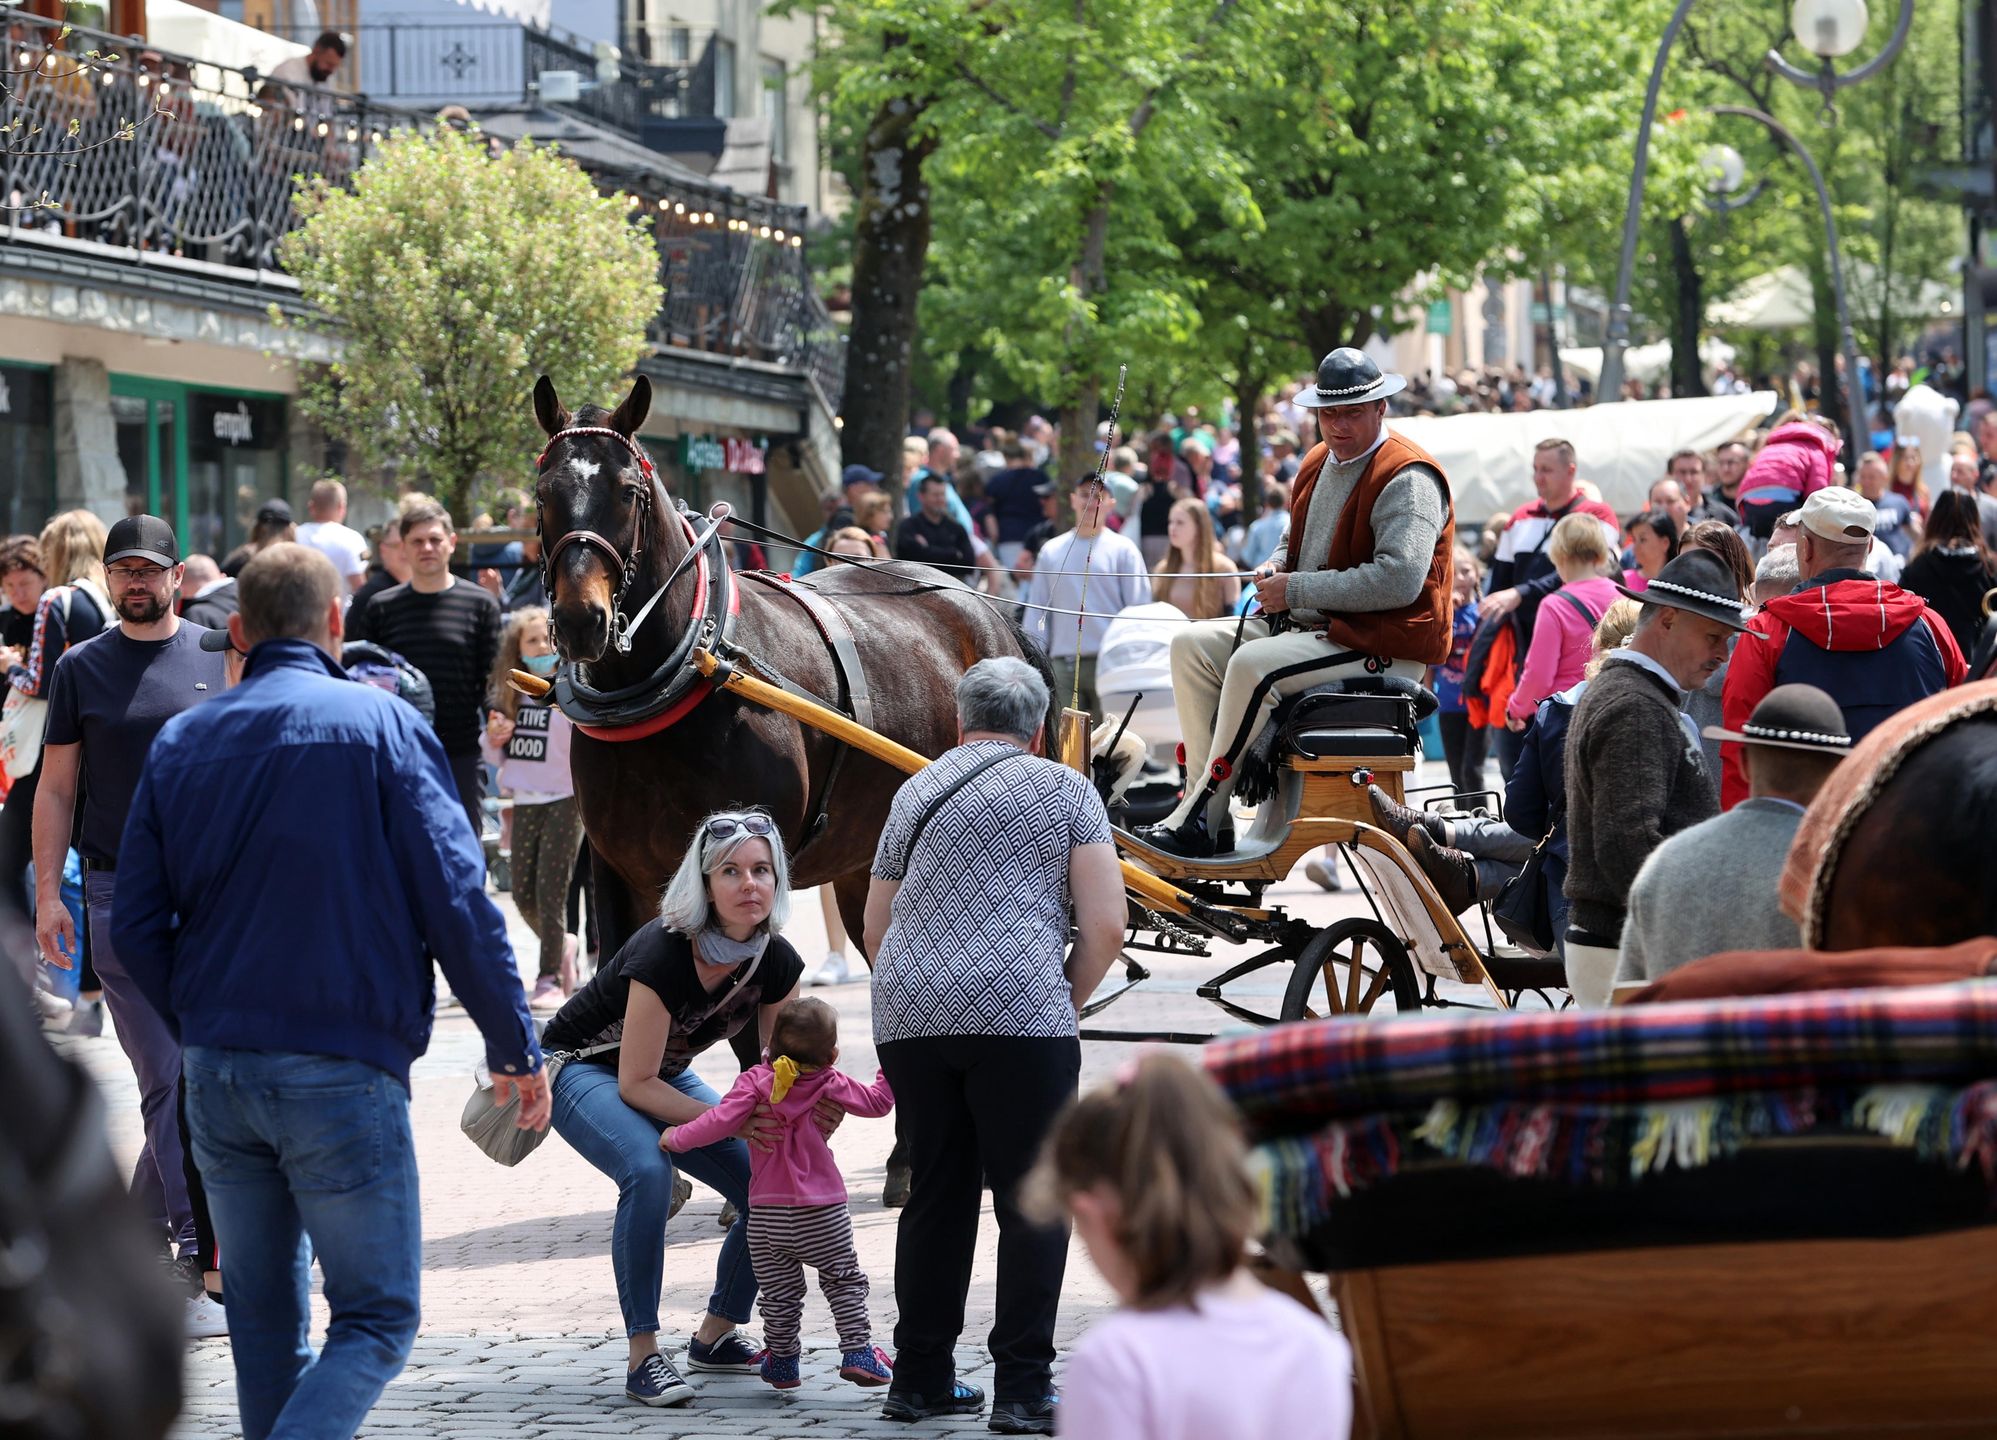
{"points": [[1415, 631]]}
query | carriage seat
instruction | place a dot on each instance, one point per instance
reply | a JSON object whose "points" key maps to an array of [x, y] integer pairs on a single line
{"points": [[1357, 716]]}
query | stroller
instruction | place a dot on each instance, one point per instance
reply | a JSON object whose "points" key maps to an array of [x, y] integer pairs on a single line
{"points": [[1135, 665]]}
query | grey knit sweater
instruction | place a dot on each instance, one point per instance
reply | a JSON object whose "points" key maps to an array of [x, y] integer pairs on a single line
{"points": [[1711, 888], [1406, 519], [1633, 778]]}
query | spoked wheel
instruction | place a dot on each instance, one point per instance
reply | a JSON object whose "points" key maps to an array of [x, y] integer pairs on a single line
{"points": [[1345, 970]]}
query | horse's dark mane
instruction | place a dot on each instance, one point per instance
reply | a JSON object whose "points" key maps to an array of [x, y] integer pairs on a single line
{"points": [[1037, 658], [1955, 778]]}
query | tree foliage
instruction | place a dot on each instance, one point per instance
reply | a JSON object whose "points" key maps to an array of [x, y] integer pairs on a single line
{"points": [[453, 277]]}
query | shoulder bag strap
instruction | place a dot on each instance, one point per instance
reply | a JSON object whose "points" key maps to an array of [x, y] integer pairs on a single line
{"points": [[929, 811]]}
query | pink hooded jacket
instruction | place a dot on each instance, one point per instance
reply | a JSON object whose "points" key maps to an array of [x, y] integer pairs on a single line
{"points": [[800, 1171], [1793, 463]]}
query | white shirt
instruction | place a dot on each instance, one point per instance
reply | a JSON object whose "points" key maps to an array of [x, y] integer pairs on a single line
{"points": [[1116, 580], [344, 546]]}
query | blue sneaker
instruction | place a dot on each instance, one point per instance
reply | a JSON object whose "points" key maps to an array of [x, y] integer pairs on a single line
{"points": [[780, 1371], [867, 1366], [906, 1405], [732, 1354], [655, 1382]]}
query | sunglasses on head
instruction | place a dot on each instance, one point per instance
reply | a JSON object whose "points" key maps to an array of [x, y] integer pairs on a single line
{"points": [[723, 827]]}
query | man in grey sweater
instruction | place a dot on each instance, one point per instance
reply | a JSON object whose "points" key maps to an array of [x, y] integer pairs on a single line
{"points": [[1362, 588], [1636, 773], [1713, 887]]}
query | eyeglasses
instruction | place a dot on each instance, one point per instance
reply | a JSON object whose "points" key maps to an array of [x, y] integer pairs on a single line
{"points": [[724, 827], [136, 574]]}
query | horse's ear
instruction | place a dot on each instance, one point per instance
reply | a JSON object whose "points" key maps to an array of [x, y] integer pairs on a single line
{"points": [[637, 405], [548, 408]]}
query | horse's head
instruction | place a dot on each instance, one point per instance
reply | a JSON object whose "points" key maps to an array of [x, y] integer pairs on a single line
{"points": [[595, 501]]}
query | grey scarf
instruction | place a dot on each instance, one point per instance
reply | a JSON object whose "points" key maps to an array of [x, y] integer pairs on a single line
{"points": [[713, 945]]}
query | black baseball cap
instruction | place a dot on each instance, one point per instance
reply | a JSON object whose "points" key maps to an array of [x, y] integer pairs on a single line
{"points": [[274, 512], [145, 536], [216, 640]]}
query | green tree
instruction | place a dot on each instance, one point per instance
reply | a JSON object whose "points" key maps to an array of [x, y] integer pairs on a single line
{"points": [[453, 278]]}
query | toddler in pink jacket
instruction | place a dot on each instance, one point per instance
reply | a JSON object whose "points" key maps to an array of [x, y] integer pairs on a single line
{"points": [[797, 1198]]}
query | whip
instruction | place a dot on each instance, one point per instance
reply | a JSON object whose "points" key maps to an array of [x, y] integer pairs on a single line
{"points": [[1088, 554]]}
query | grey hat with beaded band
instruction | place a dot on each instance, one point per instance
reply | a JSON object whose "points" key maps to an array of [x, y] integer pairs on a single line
{"points": [[1348, 377], [1792, 717], [1699, 581]]}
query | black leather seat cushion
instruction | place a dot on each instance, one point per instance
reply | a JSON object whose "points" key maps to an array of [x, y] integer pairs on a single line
{"points": [[1370, 716]]}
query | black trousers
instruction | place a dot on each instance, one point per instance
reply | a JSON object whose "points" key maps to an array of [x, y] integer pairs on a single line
{"points": [[16, 844], [469, 773], [975, 1108], [1463, 749]]}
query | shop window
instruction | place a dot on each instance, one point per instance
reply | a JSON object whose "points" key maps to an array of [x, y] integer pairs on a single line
{"points": [[27, 448]]}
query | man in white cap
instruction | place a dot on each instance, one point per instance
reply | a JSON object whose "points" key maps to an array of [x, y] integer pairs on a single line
{"points": [[1871, 646], [1361, 589]]}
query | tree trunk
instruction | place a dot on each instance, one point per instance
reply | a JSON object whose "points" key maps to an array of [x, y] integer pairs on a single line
{"points": [[890, 251], [1824, 333], [1333, 324], [957, 404], [1688, 313], [1090, 277]]}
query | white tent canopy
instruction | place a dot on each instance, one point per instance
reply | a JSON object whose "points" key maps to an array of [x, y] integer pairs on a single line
{"points": [[1647, 362], [1622, 448], [1782, 299], [228, 44]]}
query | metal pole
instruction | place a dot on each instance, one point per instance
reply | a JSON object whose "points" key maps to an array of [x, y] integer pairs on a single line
{"points": [[1853, 401], [1609, 387]]}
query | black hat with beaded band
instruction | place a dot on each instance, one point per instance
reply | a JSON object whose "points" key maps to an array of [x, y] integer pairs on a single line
{"points": [[1348, 377], [1792, 717], [1699, 581]]}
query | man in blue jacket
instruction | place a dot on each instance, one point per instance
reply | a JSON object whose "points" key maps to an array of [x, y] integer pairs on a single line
{"points": [[259, 819]]}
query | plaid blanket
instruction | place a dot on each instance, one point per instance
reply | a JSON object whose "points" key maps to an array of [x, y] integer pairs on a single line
{"points": [[1604, 1097]]}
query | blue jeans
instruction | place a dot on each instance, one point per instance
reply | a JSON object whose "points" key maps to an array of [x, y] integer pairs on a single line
{"points": [[624, 1144], [302, 1154]]}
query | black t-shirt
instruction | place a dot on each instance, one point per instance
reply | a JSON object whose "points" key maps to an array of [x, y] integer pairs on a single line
{"points": [[933, 542], [452, 636], [113, 693], [16, 629], [663, 959]]}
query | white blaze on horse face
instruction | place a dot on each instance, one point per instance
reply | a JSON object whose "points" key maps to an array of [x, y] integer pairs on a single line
{"points": [[584, 469]]}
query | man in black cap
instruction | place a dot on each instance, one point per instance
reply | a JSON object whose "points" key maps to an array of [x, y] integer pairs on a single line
{"points": [[1362, 588], [1636, 772], [1713, 887], [107, 700]]}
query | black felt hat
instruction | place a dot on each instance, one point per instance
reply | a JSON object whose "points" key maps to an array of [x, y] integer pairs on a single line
{"points": [[1348, 377], [1792, 717], [1699, 581]]}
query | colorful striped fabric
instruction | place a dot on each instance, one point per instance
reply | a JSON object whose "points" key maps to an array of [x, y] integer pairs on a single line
{"points": [[1296, 1080]]}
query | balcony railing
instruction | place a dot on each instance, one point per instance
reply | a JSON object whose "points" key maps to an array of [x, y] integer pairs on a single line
{"points": [[210, 174]]}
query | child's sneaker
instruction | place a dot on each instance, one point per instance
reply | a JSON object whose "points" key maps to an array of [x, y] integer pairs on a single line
{"points": [[869, 1366], [780, 1371]]}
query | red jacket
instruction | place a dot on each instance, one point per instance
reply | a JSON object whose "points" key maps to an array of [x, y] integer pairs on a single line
{"points": [[1874, 647]]}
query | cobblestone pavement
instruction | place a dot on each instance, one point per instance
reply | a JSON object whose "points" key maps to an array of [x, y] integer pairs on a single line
{"points": [[520, 1334]]}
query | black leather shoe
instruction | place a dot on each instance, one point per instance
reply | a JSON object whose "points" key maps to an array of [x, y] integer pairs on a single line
{"points": [[1401, 821], [907, 1405], [1024, 1417], [1189, 840], [1453, 873]]}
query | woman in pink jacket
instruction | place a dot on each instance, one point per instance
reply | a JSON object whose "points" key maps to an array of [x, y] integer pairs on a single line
{"points": [[1583, 552]]}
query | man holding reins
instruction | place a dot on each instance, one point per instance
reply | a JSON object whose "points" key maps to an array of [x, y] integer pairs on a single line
{"points": [[1362, 588]]}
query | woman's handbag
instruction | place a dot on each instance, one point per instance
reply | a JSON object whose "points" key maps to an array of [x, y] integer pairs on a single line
{"points": [[490, 1125], [1522, 910], [24, 720]]}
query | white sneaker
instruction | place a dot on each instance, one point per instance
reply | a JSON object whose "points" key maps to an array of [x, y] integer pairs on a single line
{"points": [[56, 1011], [205, 1319], [834, 971]]}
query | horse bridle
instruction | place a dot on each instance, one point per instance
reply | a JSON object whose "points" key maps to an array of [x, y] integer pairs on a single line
{"points": [[620, 628]]}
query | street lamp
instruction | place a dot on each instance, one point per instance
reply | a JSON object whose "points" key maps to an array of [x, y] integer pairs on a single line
{"points": [[1854, 416], [1830, 28]]}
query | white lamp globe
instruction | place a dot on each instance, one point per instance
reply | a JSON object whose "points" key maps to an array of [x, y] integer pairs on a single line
{"points": [[1829, 28], [1725, 170]]}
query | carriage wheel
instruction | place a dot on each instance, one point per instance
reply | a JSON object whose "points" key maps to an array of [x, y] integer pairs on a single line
{"points": [[1346, 968]]}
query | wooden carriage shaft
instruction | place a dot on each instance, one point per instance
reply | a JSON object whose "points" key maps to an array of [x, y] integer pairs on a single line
{"points": [[1154, 891]]}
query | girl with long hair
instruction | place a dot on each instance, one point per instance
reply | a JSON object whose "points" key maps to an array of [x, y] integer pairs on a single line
{"points": [[529, 741], [1953, 569], [1186, 577], [1907, 481]]}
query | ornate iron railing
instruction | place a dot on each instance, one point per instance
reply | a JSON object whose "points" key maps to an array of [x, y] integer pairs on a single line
{"points": [[210, 171]]}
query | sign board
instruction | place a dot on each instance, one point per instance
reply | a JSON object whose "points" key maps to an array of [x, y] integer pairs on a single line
{"points": [[234, 422], [1440, 317], [736, 456]]}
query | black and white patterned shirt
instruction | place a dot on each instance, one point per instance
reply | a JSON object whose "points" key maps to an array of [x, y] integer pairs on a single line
{"points": [[980, 927]]}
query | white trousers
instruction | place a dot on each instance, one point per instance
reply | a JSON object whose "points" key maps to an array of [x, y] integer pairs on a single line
{"points": [[1223, 701], [1591, 972]]}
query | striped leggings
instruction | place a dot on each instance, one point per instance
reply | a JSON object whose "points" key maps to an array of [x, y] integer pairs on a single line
{"points": [[783, 1239]]}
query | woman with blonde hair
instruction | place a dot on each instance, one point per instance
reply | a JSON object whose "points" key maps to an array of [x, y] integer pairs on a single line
{"points": [[1583, 553], [1195, 574], [528, 740]]}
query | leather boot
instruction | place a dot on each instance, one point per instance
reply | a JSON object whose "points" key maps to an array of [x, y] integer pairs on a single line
{"points": [[1453, 873], [1401, 821], [1189, 841]]}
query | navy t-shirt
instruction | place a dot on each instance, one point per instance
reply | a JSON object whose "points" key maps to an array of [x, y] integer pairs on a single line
{"points": [[113, 693], [1895, 520]]}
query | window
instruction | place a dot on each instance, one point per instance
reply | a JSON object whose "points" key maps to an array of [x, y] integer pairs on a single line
{"points": [[724, 79], [776, 110]]}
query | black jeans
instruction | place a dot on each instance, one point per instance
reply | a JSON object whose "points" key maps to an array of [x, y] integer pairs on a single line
{"points": [[976, 1108], [468, 771], [16, 847], [1463, 749]]}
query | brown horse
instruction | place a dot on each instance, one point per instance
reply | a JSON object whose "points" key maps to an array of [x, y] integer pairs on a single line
{"points": [[614, 547]]}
